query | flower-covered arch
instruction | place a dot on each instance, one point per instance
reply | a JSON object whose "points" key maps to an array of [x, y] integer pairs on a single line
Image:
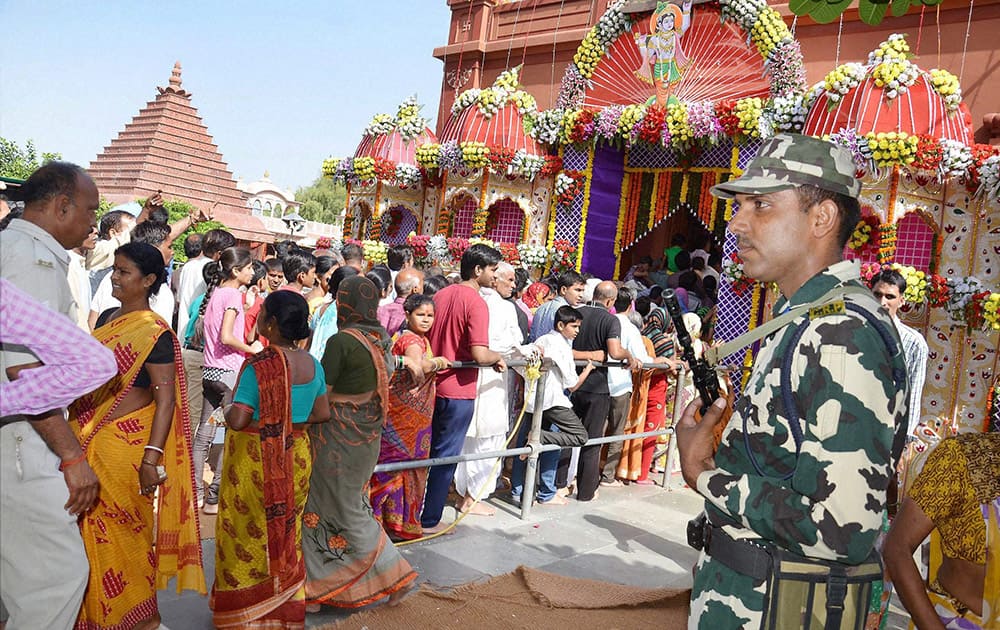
{"points": [[384, 169]]}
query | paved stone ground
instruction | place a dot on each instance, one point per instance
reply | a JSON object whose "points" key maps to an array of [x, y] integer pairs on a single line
{"points": [[632, 535]]}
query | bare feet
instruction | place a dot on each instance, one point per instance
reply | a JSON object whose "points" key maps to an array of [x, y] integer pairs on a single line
{"points": [[437, 529], [556, 500], [401, 594], [479, 509]]}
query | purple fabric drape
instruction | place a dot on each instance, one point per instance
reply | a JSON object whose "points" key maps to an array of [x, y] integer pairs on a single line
{"points": [[602, 216]]}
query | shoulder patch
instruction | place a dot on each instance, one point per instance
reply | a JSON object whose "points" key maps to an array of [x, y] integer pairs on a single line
{"points": [[831, 308]]}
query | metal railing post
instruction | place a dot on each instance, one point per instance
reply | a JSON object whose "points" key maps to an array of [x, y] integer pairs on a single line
{"points": [[534, 437], [672, 442]]}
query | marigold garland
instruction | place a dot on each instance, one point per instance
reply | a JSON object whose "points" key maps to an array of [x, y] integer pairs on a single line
{"points": [[887, 242], [620, 224], [588, 177]]}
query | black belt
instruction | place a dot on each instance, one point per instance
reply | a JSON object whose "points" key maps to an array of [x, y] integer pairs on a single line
{"points": [[742, 556]]}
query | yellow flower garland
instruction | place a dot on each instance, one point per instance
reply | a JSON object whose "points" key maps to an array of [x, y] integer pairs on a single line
{"points": [[589, 174], [622, 206]]}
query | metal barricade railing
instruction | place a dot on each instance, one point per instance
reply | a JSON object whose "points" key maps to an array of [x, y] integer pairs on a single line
{"points": [[534, 448]]}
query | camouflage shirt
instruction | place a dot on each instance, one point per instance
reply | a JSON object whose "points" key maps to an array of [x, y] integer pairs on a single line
{"points": [[828, 501]]}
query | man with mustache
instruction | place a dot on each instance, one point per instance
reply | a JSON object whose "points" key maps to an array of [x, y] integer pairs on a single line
{"points": [[805, 461]]}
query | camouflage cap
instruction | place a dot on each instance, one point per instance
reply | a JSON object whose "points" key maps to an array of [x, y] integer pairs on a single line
{"points": [[788, 160]]}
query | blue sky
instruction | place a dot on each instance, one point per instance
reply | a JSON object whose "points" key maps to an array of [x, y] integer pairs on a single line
{"points": [[280, 85]]}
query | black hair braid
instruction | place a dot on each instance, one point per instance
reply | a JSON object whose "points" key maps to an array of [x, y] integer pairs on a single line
{"points": [[214, 280]]}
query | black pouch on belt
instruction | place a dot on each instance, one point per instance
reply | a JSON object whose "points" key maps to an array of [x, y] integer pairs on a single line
{"points": [[801, 592]]}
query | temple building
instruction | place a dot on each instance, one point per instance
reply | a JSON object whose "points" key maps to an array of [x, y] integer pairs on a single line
{"points": [[167, 148], [486, 37]]}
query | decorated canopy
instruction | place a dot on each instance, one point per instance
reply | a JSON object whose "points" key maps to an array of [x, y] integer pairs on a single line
{"points": [[386, 193], [890, 93]]}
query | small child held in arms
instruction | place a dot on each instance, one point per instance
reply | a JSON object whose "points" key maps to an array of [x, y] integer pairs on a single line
{"points": [[557, 411]]}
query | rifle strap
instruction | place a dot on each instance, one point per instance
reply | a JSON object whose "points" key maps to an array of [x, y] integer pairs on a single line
{"points": [[715, 354]]}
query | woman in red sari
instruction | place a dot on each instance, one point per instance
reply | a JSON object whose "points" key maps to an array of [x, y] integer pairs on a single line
{"points": [[259, 569], [136, 435], [398, 497]]}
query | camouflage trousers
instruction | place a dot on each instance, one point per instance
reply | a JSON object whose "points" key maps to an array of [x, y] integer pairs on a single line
{"points": [[722, 598]]}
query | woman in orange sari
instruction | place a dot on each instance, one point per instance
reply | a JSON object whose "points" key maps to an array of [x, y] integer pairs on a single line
{"points": [[259, 569], [136, 435]]}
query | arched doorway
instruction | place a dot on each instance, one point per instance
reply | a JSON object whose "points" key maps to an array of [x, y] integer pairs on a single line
{"points": [[397, 223], [463, 209], [505, 222]]}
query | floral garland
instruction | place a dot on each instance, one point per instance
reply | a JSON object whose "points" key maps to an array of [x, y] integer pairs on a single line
{"points": [[947, 158], [767, 31], [946, 84], [732, 270], [375, 251], [510, 253], [886, 242], [991, 423], [418, 243], [598, 39], [967, 299], [841, 80], [533, 256], [380, 125], [432, 157], [892, 68], [892, 148], [489, 101], [989, 177], [683, 126], [479, 222], [861, 238], [562, 256], [567, 186]]}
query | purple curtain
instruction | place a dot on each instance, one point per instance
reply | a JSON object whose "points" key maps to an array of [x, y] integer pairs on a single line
{"points": [[602, 216]]}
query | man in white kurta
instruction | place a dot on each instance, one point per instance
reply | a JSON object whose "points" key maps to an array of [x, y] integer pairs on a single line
{"points": [[488, 429]]}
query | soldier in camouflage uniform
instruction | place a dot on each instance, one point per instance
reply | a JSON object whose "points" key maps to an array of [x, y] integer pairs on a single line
{"points": [[797, 207]]}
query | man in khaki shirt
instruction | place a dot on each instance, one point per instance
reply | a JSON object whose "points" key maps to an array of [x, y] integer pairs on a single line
{"points": [[43, 566]]}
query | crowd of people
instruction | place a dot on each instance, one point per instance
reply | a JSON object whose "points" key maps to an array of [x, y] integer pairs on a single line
{"points": [[266, 391]]}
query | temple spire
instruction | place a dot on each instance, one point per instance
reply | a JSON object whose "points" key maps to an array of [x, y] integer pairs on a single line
{"points": [[175, 83]]}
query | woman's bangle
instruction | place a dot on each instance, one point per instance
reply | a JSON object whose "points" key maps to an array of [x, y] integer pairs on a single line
{"points": [[150, 447], [148, 463], [72, 462]]}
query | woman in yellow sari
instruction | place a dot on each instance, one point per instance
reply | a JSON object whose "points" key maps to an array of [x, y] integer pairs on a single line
{"points": [[956, 500], [259, 569], [136, 435]]}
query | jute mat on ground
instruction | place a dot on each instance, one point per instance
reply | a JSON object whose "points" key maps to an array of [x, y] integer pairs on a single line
{"points": [[529, 598]]}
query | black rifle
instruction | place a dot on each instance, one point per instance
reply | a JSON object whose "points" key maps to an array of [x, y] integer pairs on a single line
{"points": [[705, 379]]}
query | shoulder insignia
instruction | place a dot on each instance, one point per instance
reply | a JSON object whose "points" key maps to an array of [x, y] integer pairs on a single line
{"points": [[831, 308]]}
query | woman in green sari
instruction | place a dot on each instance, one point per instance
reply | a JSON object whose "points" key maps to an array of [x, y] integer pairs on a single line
{"points": [[350, 561]]}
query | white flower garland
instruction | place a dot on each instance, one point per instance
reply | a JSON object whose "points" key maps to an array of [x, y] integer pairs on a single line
{"points": [[380, 125], [532, 256]]}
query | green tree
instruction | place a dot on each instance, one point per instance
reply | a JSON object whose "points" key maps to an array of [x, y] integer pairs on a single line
{"points": [[323, 201], [177, 210], [21, 163]]}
